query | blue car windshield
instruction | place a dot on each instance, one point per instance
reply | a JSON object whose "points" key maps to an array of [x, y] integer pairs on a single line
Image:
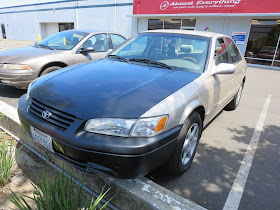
{"points": [[64, 40], [176, 51]]}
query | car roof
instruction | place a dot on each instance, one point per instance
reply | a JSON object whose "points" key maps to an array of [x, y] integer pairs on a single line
{"points": [[86, 30], [189, 32], [92, 31]]}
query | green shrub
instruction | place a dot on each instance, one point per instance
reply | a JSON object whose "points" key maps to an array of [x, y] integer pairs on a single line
{"points": [[7, 160], [61, 194]]}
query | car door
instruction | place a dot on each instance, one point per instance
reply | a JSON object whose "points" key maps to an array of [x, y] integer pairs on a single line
{"points": [[222, 84], [236, 59], [99, 42]]}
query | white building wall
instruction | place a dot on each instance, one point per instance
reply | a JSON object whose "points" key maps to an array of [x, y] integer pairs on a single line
{"points": [[23, 23]]}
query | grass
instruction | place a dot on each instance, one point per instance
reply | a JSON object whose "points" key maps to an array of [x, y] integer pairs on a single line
{"points": [[60, 194], [7, 158]]}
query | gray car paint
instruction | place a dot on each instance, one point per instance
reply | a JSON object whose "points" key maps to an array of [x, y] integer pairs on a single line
{"points": [[39, 58]]}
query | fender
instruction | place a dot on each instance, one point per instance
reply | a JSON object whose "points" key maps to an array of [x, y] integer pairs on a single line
{"points": [[190, 108]]}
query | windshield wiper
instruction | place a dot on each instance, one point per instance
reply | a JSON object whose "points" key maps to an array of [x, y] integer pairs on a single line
{"points": [[118, 57], [151, 62], [45, 46]]}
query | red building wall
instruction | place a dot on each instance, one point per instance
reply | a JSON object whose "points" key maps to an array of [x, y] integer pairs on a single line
{"points": [[142, 7]]}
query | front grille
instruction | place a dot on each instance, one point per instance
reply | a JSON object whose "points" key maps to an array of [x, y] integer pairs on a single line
{"points": [[58, 119]]}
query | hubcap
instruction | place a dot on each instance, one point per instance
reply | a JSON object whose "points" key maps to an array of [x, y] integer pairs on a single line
{"points": [[239, 95], [190, 143]]}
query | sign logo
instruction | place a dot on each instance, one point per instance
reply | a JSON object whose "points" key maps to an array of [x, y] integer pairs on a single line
{"points": [[46, 114], [164, 5]]}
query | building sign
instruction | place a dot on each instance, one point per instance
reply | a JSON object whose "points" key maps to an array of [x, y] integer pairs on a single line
{"points": [[239, 37], [191, 5], [150, 7]]}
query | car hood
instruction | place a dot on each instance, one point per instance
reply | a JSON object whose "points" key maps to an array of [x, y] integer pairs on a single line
{"points": [[107, 88], [20, 55]]}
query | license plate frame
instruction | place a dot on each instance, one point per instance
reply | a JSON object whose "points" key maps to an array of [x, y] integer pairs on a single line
{"points": [[42, 138]]}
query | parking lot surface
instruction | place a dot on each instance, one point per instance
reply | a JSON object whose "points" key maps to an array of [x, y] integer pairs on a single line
{"points": [[224, 143]]}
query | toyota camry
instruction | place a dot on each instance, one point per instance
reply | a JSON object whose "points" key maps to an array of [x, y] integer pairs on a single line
{"points": [[142, 107]]}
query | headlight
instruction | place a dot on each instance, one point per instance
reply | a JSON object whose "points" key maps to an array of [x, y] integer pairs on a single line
{"points": [[142, 127], [149, 126], [116, 127], [16, 66]]}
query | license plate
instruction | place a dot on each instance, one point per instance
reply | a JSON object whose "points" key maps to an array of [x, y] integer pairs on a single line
{"points": [[43, 139]]}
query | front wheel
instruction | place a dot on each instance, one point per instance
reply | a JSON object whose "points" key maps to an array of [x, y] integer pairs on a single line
{"points": [[49, 70], [188, 139]]}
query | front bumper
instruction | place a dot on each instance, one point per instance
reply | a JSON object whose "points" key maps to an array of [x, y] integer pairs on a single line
{"points": [[17, 78], [122, 157]]}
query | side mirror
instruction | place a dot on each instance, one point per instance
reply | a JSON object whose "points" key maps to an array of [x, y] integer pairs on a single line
{"points": [[109, 50], [225, 68]]}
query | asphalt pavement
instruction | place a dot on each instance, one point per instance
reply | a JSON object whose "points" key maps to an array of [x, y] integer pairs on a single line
{"points": [[222, 148], [224, 144]]}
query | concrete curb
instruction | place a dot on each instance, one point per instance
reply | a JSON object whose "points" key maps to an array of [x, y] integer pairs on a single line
{"points": [[140, 193]]}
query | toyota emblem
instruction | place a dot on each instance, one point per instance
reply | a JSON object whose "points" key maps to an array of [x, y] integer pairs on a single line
{"points": [[46, 114]]}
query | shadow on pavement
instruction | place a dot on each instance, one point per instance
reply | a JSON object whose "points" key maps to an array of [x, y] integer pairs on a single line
{"points": [[11, 92], [210, 178]]}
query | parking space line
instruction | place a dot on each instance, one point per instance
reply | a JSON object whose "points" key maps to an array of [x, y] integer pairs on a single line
{"points": [[238, 186]]}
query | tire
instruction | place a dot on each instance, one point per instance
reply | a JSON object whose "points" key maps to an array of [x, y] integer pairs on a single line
{"points": [[235, 101], [49, 69], [185, 150]]}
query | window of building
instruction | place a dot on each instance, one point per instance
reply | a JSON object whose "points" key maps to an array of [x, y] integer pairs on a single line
{"points": [[172, 24], [65, 26], [154, 24], [184, 24], [3, 31], [263, 46]]}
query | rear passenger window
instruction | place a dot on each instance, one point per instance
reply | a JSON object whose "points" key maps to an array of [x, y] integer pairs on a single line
{"points": [[233, 50], [221, 52], [117, 40]]}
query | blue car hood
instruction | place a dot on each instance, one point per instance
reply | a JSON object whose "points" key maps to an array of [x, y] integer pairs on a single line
{"points": [[107, 88]]}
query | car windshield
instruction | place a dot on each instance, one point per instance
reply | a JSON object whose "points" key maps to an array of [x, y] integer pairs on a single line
{"points": [[165, 50], [65, 40]]}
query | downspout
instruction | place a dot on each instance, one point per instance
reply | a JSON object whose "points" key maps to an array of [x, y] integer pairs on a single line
{"points": [[115, 17], [77, 15]]}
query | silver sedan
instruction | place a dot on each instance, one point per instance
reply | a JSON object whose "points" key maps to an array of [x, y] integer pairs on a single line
{"points": [[20, 66]]}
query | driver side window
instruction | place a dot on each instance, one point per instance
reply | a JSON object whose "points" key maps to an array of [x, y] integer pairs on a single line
{"points": [[99, 42], [221, 53]]}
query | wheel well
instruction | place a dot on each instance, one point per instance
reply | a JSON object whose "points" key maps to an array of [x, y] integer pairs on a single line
{"points": [[201, 111], [62, 65]]}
